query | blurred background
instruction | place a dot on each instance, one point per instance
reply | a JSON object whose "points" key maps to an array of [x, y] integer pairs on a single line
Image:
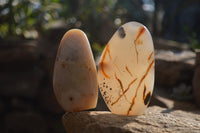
{"points": [[30, 32]]}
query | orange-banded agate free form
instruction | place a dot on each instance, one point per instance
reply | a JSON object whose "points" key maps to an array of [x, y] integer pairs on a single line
{"points": [[75, 76], [126, 70]]}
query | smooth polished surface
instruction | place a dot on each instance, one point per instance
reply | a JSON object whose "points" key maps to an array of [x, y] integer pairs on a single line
{"points": [[126, 70], [75, 76]]}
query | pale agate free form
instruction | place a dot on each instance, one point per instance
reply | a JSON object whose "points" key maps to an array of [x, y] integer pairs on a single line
{"points": [[126, 70], [75, 75]]}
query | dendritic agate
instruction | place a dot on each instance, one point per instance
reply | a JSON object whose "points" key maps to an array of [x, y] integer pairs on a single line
{"points": [[75, 76], [126, 70]]}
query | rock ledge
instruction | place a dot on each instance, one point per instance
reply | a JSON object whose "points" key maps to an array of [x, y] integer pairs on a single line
{"points": [[155, 119]]}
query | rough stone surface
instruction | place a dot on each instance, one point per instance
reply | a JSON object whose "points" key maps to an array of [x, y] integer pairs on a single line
{"points": [[174, 67], [17, 55], [23, 84], [196, 86], [179, 56], [24, 122], [164, 44], [196, 79], [155, 119], [163, 97]]}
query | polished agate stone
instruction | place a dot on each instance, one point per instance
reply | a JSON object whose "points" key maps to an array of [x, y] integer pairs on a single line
{"points": [[75, 75], [126, 70]]}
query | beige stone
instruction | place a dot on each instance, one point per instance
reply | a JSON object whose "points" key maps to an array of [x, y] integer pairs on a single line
{"points": [[75, 76], [126, 70]]}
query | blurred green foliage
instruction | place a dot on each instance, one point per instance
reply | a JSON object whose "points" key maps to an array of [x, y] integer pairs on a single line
{"points": [[98, 18], [19, 16], [193, 40]]}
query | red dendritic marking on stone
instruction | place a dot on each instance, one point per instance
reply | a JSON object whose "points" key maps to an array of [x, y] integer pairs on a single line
{"points": [[124, 91], [121, 85], [116, 67], [150, 56], [144, 92], [139, 42], [63, 64], [143, 77], [129, 71], [101, 64], [140, 32], [108, 50], [102, 69]]}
